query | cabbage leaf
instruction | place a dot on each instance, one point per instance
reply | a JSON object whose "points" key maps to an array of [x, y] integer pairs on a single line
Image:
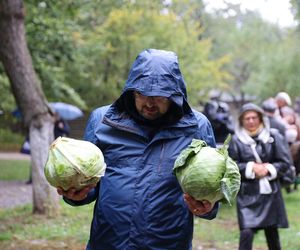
{"points": [[208, 173], [74, 163]]}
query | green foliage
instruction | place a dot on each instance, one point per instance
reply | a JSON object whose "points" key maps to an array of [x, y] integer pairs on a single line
{"points": [[7, 136], [113, 46], [83, 50], [278, 69], [7, 101], [263, 55], [296, 9], [49, 28]]}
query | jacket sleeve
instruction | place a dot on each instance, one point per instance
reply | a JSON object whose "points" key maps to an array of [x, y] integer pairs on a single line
{"points": [[212, 214], [89, 133], [92, 195]]}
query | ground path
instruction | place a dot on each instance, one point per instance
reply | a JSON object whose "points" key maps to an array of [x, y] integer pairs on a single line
{"points": [[14, 193], [13, 156]]}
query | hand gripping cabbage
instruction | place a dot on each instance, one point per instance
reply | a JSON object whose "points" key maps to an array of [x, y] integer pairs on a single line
{"points": [[74, 164], [207, 173]]}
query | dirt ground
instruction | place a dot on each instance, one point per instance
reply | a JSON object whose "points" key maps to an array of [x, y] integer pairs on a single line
{"points": [[14, 193]]}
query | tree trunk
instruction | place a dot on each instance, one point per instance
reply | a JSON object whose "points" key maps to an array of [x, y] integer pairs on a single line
{"points": [[30, 98]]}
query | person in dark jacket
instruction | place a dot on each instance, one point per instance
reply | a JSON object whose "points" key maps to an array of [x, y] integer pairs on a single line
{"points": [[270, 106], [218, 113], [262, 156], [139, 203], [61, 127]]}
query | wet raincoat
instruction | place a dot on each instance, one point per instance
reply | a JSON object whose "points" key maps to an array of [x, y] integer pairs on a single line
{"points": [[259, 206], [139, 203]]}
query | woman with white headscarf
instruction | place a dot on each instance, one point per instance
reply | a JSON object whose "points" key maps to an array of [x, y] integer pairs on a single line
{"points": [[262, 156]]}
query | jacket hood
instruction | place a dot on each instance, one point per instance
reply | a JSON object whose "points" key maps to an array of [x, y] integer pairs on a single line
{"points": [[155, 73], [250, 107]]}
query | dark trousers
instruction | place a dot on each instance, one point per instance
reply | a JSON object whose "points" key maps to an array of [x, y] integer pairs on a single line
{"points": [[247, 235]]}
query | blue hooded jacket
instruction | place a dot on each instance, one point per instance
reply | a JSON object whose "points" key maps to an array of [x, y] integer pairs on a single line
{"points": [[139, 203]]}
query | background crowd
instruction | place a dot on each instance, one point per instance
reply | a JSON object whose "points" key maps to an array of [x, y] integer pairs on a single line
{"points": [[283, 114], [266, 147]]}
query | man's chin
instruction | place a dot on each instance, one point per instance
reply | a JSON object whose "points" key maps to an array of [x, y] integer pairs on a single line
{"points": [[150, 115], [150, 118]]}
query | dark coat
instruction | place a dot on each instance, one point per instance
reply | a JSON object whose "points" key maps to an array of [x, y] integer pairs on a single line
{"points": [[218, 113], [275, 123], [139, 203], [256, 210]]}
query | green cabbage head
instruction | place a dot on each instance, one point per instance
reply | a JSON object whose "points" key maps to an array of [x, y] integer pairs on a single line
{"points": [[74, 164], [207, 173]]}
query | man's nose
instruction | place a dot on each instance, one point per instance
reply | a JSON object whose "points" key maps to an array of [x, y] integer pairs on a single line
{"points": [[150, 101]]}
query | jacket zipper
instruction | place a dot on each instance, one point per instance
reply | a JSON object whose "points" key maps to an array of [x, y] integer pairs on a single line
{"points": [[161, 157]]}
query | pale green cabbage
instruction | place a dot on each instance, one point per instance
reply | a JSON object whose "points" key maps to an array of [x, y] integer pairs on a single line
{"points": [[207, 173], [74, 164]]}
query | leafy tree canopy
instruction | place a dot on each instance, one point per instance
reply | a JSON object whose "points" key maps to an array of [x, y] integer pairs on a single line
{"points": [[83, 50]]}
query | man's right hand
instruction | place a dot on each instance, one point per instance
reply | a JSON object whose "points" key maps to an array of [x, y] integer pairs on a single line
{"points": [[75, 195]]}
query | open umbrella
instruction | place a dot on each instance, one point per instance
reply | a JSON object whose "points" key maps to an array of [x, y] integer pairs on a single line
{"points": [[66, 111]]}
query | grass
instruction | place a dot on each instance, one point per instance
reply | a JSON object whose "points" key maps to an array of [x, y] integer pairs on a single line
{"points": [[20, 229], [69, 223], [223, 233], [14, 170]]}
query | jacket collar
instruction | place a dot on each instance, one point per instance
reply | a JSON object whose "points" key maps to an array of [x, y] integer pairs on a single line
{"points": [[122, 121]]}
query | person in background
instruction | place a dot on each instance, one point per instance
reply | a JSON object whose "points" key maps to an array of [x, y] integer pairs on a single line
{"points": [[262, 156], [25, 149], [297, 105], [139, 203], [218, 113], [61, 127], [288, 132], [292, 122], [270, 106], [282, 100], [288, 115]]}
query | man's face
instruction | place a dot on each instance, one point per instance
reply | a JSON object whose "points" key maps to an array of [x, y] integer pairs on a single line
{"points": [[251, 121], [151, 107]]}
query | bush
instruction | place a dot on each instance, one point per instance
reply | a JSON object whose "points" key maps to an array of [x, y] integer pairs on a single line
{"points": [[10, 141]]}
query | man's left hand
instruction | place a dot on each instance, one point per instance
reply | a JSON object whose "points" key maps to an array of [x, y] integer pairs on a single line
{"points": [[197, 207]]}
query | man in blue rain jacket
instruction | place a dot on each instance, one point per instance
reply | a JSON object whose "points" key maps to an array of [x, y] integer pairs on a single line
{"points": [[139, 203]]}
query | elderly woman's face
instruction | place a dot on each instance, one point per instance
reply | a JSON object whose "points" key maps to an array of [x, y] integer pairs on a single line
{"points": [[251, 121]]}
